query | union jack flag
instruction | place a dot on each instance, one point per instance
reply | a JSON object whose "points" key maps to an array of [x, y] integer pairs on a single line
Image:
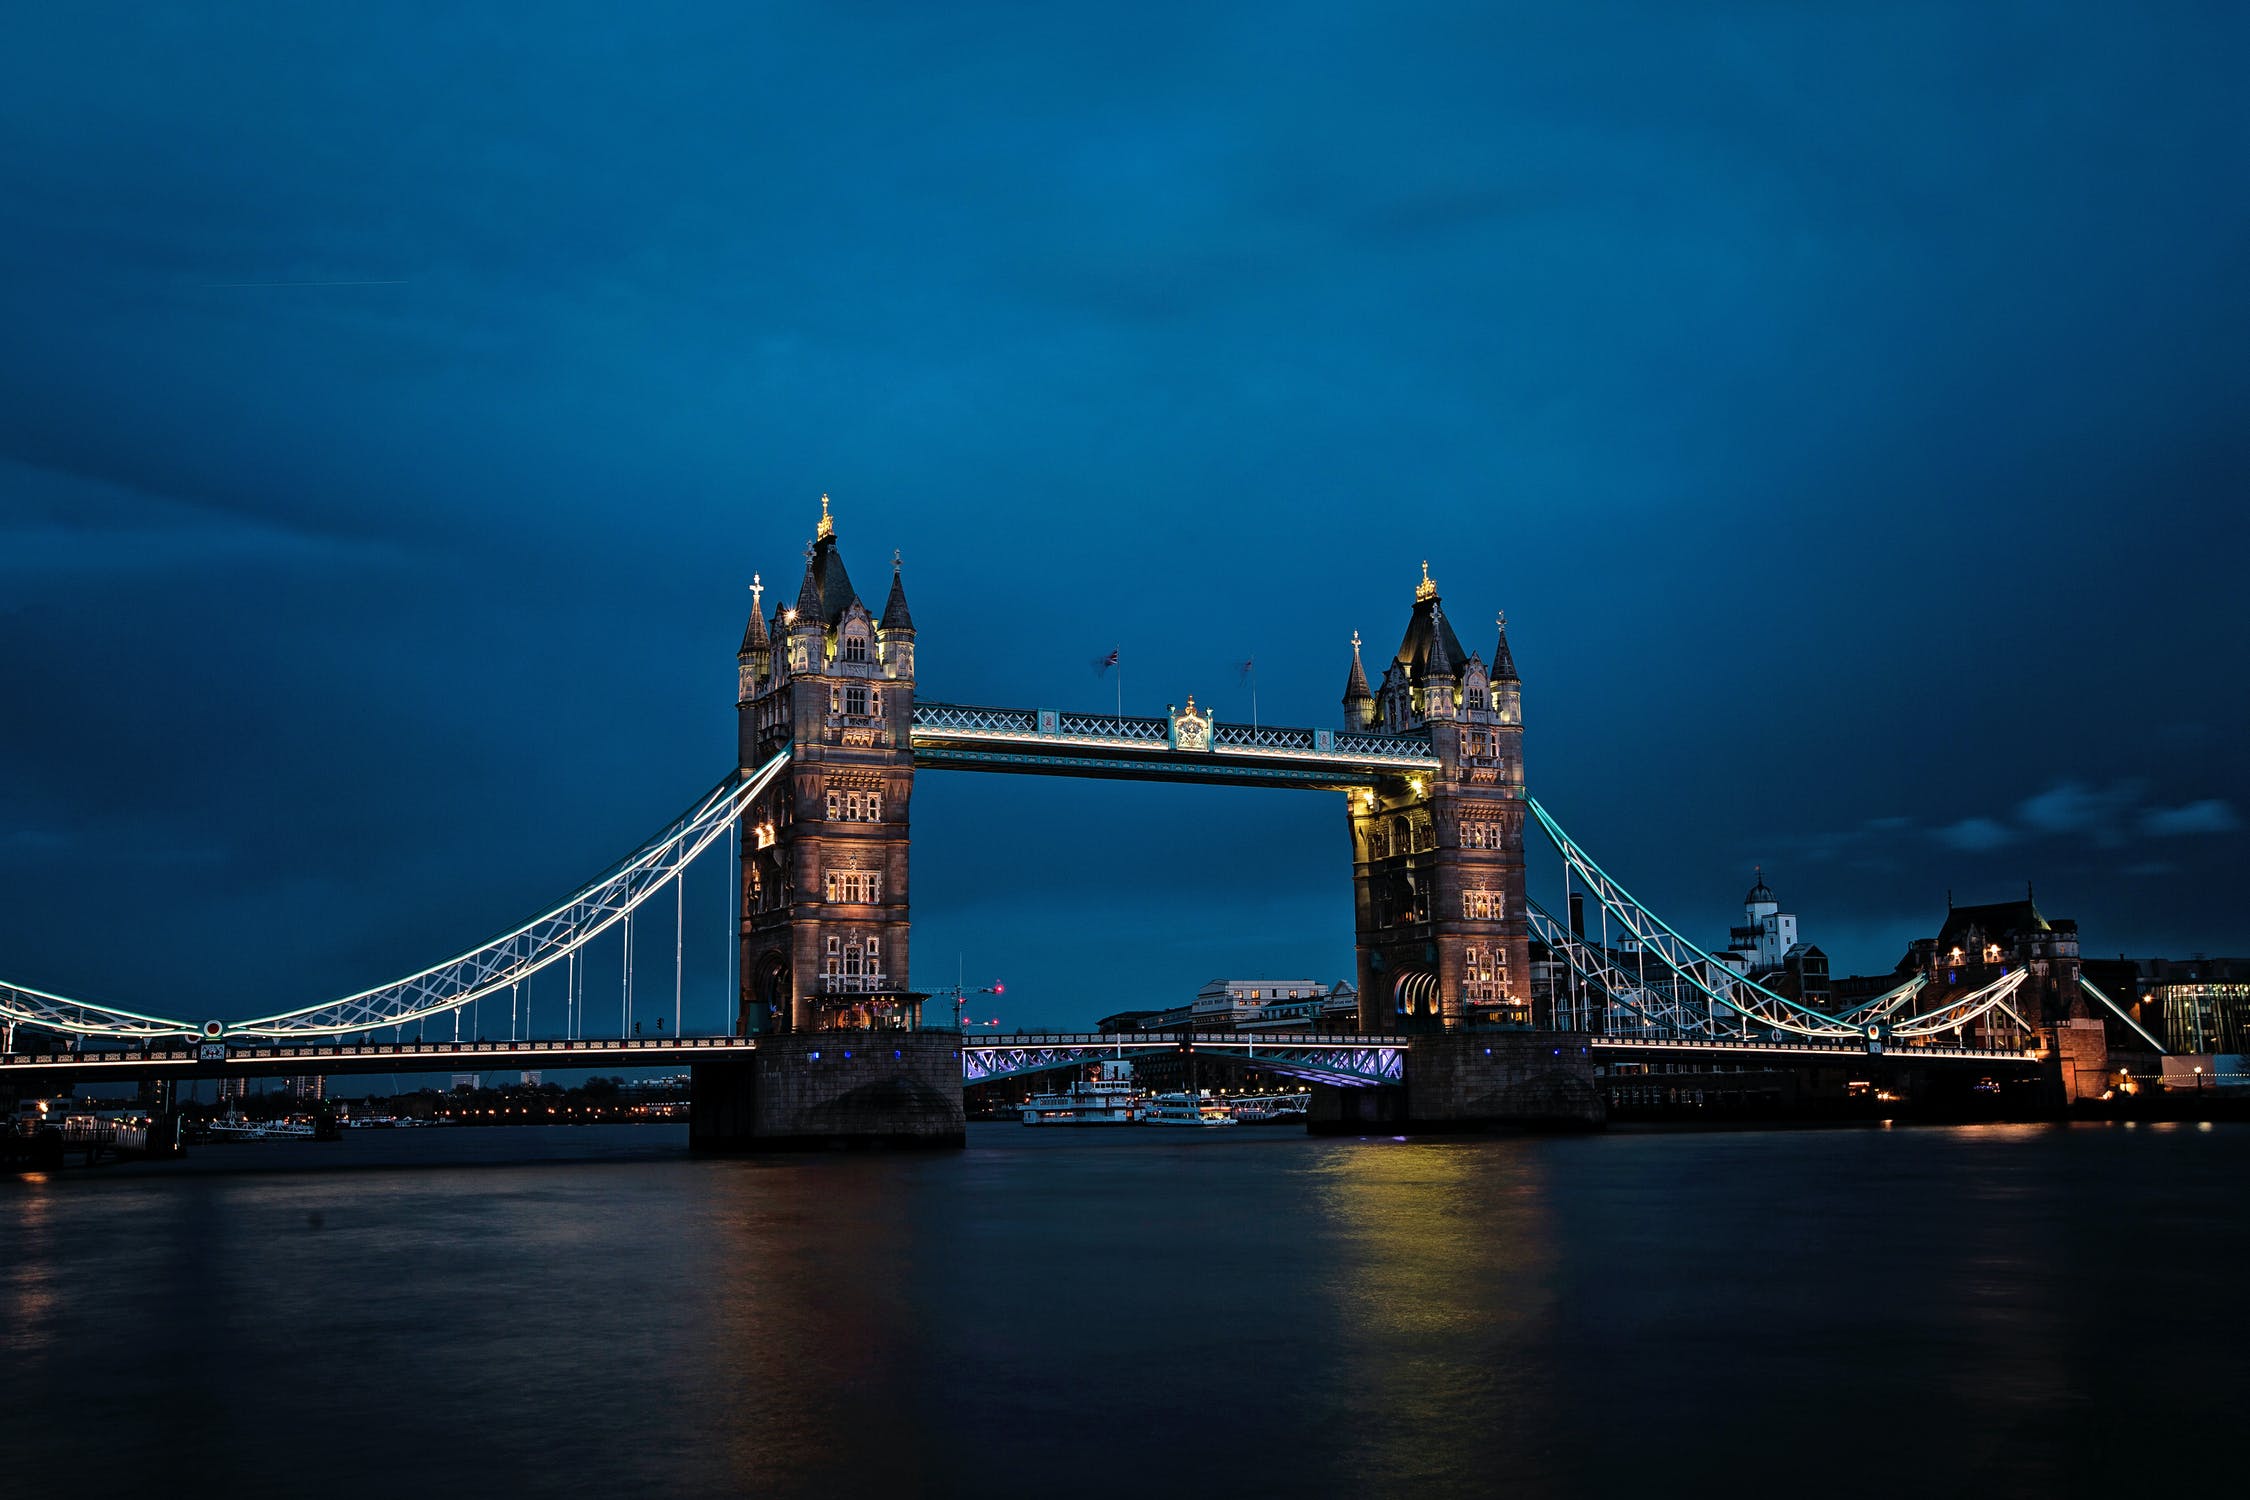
{"points": [[1103, 663]]}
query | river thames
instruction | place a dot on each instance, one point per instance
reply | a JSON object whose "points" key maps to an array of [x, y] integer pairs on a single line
{"points": [[1990, 1310]]}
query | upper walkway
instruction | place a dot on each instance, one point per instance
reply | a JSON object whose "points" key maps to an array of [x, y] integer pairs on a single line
{"points": [[1184, 747]]}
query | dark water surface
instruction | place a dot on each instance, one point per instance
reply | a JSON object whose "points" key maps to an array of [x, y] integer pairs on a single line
{"points": [[1994, 1310]]}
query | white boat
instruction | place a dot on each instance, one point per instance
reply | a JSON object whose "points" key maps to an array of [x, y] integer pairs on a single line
{"points": [[1108, 1098], [1185, 1109], [1272, 1109]]}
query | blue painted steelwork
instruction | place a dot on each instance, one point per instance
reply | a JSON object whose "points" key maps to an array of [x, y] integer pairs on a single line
{"points": [[1346, 1061]]}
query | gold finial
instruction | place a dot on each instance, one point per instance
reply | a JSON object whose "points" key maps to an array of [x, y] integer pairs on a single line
{"points": [[1355, 643], [1190, 708], [757, 593], [827, 522], [1425, 589]]}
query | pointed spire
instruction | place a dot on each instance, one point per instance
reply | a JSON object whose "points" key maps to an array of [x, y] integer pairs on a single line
{"points": [[895, 616], [808, 595], [754, 637], [1441, 662], [1355, 686], [1504, 660]]}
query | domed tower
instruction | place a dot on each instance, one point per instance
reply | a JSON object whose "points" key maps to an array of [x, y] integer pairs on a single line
{"points": [[824, 851], [1443, 936]]}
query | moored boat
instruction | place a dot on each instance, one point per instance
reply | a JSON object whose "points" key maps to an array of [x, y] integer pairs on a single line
{"points": [[1185, 1109], [1108, 1098]]}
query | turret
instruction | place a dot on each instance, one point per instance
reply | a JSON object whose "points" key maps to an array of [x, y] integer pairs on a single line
{"points": [[1359, 703], [1439, 674], [895, 633], [1507, 687], [801, 622], [756, 655]]}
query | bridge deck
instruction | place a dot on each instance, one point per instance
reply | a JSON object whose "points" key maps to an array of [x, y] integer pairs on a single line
{"points": [[1046, 741], [217, 1060]]}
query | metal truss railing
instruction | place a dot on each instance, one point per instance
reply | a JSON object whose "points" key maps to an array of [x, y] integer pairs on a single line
{"points": [[1386, 747], [461, 981], [979, 720], [1114, 727], [1347, 1061], [1012, 724], [1252, 737]]}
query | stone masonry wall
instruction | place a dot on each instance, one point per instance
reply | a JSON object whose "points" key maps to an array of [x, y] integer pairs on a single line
{"points": [[833, 1089]]}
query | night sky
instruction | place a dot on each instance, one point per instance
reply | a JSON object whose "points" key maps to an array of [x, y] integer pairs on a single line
{"points": [[1846, 404]]}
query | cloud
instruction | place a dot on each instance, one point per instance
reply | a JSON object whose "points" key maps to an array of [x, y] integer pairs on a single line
{"points": [[1976, 834], [2211, 815], [2074, 807]]}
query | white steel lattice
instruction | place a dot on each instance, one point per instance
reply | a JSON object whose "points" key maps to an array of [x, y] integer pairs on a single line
{"points": [[460, 981], [1263, 739], [1350, 1062], [1691, 972], [1384, 747], [1112, 727], [22, 1006], [983, 720]]}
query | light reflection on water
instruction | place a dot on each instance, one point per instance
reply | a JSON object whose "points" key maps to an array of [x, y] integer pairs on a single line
{"points": [[1865, 1311]]}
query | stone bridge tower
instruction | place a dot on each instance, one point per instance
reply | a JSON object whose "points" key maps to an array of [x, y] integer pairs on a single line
{"points": [[1437, 858], [823, 888]]}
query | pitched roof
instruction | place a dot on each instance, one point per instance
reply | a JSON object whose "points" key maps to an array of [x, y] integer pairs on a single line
{"points": [[895, 615], [1355, 686], [1504, 660], [1995, 920], [1425, 627], [1445, 651], [836, 592], [754, 634]]}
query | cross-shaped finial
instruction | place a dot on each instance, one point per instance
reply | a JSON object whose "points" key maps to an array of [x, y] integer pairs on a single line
{"points": [[757, 592], [897, 561], [1355, 643], [1502, 619]]}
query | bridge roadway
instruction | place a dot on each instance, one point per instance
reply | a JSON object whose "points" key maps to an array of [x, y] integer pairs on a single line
{"points": [[227, 1060], [1347, 1060], [1046, 741]]}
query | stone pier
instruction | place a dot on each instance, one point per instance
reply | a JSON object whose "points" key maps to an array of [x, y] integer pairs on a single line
{"points": [[1475, 1080], [831, 1090]]}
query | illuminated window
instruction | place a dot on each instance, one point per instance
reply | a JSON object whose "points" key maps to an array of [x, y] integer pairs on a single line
{"points": [[852, 964], [1480, 906], [861, 886], [1484, 976], [854, 805]]}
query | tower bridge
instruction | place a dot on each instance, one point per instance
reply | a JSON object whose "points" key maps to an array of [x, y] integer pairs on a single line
{"points": [[1426, 757]]}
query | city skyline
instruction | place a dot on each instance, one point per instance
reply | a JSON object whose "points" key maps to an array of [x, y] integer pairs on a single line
{"points": [[1854, 456]]}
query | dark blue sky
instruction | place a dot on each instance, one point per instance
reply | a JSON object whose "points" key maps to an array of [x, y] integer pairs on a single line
{"points": [[1845, 403]]}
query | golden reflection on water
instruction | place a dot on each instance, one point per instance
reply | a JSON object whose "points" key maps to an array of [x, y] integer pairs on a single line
{"points": [[1443, 1292], [28, 1300]]}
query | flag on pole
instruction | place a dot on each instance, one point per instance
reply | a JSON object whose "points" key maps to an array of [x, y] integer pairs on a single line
{"points": [[1243, 669], [1102, 664]]}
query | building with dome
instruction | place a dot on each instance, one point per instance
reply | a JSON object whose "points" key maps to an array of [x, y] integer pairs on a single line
{"points": [[1766, 948]]}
